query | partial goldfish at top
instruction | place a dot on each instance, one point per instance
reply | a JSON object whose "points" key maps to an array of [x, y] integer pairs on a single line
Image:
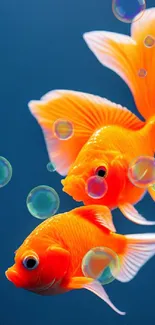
{"points": [[50, 259], [107, 137]]}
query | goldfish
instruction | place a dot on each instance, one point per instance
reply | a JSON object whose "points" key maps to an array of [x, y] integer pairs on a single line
{"points": [[107, 137], [49, 261]]}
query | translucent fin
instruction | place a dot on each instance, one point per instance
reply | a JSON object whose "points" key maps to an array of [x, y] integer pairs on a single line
{"points": [[140, 248], [87, 113], [129, 58], [132, 214], [98, 290]]}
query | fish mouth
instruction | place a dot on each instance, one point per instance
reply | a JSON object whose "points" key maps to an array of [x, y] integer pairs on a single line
{"points": [[13, 276], [75, 187]]}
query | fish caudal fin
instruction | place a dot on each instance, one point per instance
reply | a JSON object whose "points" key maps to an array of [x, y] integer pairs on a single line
{"points": [[132, 58], [87, 113], [132, 214], [139, 249], [93, 286]]}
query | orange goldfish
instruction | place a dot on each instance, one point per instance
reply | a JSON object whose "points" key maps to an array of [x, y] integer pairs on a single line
{"points": [[107, 137], [50, 259]]}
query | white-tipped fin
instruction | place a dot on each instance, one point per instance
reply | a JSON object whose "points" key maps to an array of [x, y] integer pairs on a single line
{"points": [[140, 248], [99, 215], [132, 214], [98, 290]]}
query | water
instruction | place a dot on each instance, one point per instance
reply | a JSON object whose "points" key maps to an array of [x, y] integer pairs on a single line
{"points": [[42, 49]]}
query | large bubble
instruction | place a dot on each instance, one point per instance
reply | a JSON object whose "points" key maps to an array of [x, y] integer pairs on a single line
{"points": [[96, 187], [141, 171], [101, 264], [127, 10], [43, 202], [5, 171]]}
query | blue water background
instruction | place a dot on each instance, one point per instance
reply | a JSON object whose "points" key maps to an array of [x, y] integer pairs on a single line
{"points": [[41, 48]]}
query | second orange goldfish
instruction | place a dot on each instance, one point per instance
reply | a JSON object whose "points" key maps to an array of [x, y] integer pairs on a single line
{"points": [[107, 136], [49, 261]]}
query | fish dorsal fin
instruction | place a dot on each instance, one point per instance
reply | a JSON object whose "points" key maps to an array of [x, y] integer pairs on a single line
{"points": [[99, 215], [87, 113]]}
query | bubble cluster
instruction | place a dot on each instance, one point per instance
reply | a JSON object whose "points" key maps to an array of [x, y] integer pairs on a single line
{"points": [[96, 187], [141, 171], [101, 264], [50, 167], [5, 171], [127, 10], [63, 129], [142, 73], [149, 41], [43, 202]]}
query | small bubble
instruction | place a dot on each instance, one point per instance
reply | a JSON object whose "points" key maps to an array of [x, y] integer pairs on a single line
{"points": [[149, 41], [153, 187], [141, 171], [142, 73], [50, 167], [96, 187], [101, 264], [5, 171], [63, 129], [43, 202], [127, 10]]}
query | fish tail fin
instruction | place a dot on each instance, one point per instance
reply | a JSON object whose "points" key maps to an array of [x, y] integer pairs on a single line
{"points": [[139, 249], [132, 58]]}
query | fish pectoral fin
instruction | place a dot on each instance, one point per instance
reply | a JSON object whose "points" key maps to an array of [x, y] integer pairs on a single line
{"points": [[139, 249], [86, 112], [78, 282], [151, 191], [132, 214], [93, 286], [99, 215]]}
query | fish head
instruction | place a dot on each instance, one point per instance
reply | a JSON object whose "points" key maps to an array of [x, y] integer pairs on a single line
{"points": [[109, 168], [40, 268]]}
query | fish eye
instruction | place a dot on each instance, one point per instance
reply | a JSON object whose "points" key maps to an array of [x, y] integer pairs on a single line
{"points": [[101, 171], [30, 262]]}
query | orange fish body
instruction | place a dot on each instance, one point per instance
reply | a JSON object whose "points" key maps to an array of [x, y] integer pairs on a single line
{"points": [[114, 155], [106, 135], [50, 259]]}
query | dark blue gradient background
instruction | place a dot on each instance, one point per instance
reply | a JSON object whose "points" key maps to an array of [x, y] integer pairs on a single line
{"points": [[41, 48]]}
